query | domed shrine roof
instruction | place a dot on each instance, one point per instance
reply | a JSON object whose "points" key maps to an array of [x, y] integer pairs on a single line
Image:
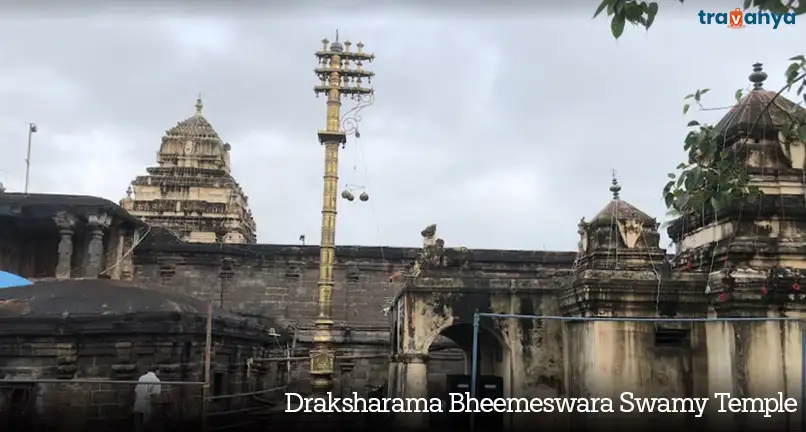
{"points": [[618, 209], [81, 297], [753, 107], [195, 126]]}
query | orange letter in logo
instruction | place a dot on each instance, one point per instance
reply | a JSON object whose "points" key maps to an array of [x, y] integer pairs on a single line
{"points": [[736, 19]]}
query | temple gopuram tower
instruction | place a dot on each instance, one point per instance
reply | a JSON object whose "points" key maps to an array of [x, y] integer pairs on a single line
{"points": [[191, 192]]}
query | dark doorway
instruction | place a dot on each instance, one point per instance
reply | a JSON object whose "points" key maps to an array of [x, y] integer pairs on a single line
{"points": [[17, 409], [492, 387], [487, 386]]}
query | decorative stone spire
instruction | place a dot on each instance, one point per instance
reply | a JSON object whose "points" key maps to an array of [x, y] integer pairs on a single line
{"points": [[336, 46], [199, 105], [615, 188], [126, 203], [758, 76], [193, 157]]}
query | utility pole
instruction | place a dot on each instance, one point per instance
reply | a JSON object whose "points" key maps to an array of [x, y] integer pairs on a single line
{"points": [[31, 131], [341, 73]]}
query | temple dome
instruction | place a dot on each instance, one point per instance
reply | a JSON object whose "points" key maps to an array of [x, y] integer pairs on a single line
{"points": [[620, 210], [194, 127], [741, 119]]}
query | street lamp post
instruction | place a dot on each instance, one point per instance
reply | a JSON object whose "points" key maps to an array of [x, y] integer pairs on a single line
{"points": [[31, 131], [341, 73]]}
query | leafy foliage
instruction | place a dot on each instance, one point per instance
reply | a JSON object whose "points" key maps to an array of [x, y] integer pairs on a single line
{"points": [[715, 176]]}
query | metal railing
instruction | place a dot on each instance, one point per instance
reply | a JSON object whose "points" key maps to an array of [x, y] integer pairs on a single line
{"points": [[237, 410]]}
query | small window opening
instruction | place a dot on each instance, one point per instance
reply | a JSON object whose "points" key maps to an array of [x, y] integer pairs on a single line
{"points": [[218, 384], [678, 338]]}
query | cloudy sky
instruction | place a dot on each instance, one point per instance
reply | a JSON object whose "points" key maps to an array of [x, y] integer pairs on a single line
{"points": [[500, 124]]}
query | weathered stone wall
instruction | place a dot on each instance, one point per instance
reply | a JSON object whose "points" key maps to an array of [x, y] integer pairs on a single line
{"points": [[281, 282], [527, 354], [27, 352], [278, 283]]}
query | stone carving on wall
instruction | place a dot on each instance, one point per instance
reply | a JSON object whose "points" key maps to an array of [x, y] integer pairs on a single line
{"points": [[583, 235], [630, 231], [434, 255]]}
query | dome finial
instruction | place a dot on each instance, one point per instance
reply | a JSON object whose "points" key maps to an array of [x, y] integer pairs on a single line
{"points": [[758, 76], [615, 188], [129, 192], [199, 105], [336, 46]]}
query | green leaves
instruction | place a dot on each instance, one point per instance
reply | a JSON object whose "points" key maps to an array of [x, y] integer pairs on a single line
{"points": [[617, 25], [643, 13], [637, 12], [715, 178], [792, 72], [601, 7], [652, 11], [696, 96]]}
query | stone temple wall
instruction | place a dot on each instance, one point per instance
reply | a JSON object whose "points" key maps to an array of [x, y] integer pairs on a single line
{"points": [[45, 351], [281, 282]]}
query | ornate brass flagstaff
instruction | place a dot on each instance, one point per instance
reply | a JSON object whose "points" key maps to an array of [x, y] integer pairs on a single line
{"points": [[341, 74]]}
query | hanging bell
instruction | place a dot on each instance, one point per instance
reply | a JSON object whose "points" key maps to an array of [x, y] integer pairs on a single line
{"points": [[346, 194], [364, 196]]}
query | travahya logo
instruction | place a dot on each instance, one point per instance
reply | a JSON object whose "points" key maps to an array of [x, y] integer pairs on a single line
{"points": [[737, 19]]}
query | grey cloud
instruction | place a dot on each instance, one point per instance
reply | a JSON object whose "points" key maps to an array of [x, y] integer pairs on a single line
{"points": [[503, 130]]}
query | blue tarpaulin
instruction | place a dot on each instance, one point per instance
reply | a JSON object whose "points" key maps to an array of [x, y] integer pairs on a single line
{"points": [[10, 280]]}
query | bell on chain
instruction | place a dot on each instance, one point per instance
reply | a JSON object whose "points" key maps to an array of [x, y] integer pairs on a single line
{"points": [[364, 196], [346, 194]]}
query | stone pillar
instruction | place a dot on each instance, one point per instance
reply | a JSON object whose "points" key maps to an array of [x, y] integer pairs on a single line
{"points": [[415, 385], [95, 249], [66, 224]]}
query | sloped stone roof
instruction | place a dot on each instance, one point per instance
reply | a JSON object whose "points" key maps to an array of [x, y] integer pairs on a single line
{"points": [[23, 205], [195, 126], [99, 306], [741, 119], [618, 209], [81, 297], [622, 210]]}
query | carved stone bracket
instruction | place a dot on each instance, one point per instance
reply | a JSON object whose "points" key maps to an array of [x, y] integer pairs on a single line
{"points": [[64, 220], [99, 220]]}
